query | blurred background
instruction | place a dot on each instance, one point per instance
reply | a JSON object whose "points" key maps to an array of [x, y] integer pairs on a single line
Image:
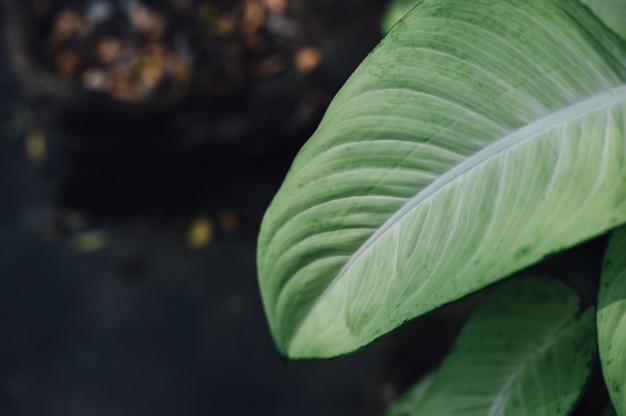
{"points": [[141, 142]]}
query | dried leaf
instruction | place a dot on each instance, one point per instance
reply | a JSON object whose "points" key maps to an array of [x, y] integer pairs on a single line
{"points": [[90, 241], [108, 49], [200, 232], [122, 87], [35, 145], [308, 58], [150, 73], [67, 24], [147, 21], [253, 16]]}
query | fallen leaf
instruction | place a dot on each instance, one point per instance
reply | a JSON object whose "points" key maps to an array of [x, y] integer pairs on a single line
{"points": [[308, 58], [35, 144], [200, 232], [68, 23], [108, 49], [147, 21], [253, 16], [90, 241]]}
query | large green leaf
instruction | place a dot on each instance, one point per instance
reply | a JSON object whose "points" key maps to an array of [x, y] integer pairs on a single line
{"points": [[612, 320], [478, 137], [526, 351]]}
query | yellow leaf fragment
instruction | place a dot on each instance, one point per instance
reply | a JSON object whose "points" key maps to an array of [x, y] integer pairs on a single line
{"points": [[200, 232], [35, 144], [90, 241]]}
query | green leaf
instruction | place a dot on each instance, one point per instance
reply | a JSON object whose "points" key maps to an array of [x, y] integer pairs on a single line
{"points": [[612, 320], [526, 351], [477, 138], [611, 12]]}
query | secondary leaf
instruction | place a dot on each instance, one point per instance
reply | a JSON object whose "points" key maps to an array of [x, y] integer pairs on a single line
{"points": [[477, 138], [612, 320], [526, 351]]}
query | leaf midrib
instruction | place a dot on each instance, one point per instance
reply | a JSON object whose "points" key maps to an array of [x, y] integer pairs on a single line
{"points": [[581, 108], [535, 355]]}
